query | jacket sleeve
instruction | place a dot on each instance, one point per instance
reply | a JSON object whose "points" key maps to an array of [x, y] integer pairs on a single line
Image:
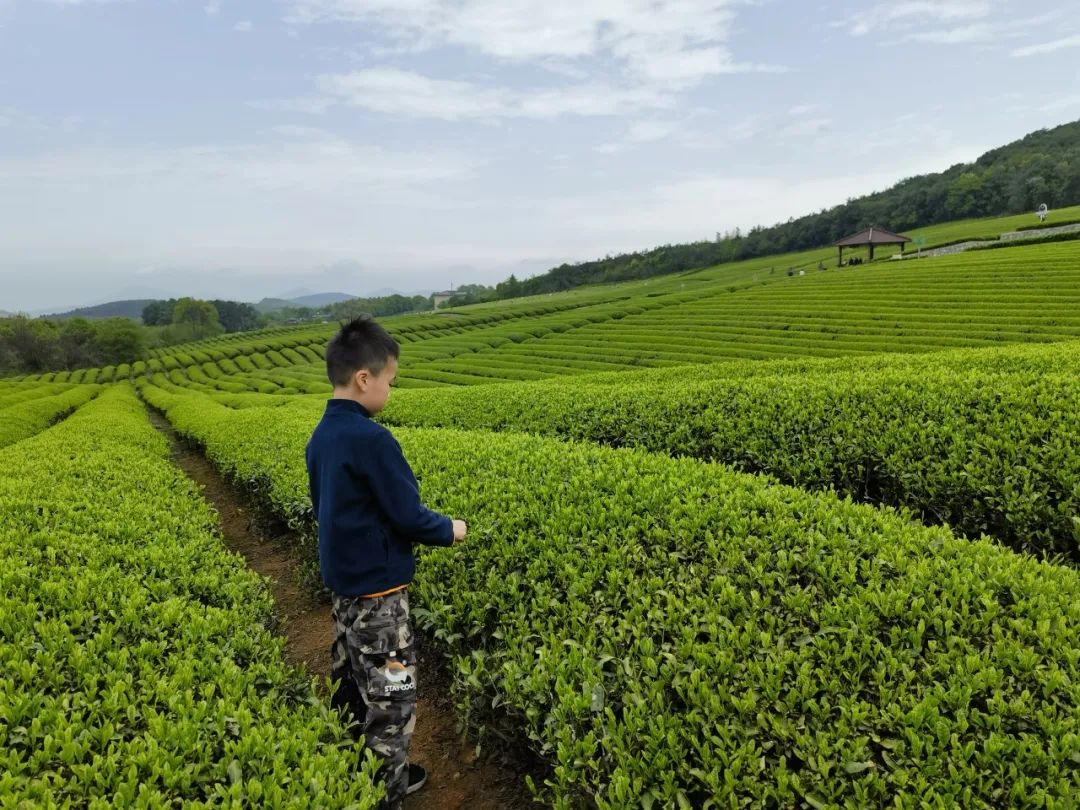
{"points": [[398, 494], [313, 489]]}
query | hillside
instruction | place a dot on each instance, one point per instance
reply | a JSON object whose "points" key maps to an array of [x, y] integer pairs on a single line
{"points": [[1042, 167], [761, 308], [320, 299], [769, 308], [131, 308], [315, 300], [822, 541]]}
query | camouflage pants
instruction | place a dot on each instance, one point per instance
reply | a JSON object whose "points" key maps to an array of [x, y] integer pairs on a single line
{"points": [[373, 658]]}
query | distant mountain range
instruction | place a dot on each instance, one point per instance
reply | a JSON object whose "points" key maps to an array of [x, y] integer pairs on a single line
{"points": [[133, 307], [314, 300]]}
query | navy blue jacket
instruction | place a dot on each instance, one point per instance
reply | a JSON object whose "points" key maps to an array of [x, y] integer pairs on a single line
{"points": [[367, 503]]}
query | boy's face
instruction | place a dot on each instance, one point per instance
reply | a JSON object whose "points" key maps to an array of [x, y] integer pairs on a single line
{"points": [[374, 389]]}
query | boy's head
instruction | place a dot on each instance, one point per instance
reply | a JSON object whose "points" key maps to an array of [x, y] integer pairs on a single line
{"points": [[361, 362]]}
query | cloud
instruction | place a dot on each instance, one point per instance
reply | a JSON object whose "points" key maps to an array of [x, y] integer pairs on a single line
{"points": [[704, 129], [965, 34], [949, 22], [646, 131], [297, 197], [401, 92], [890, 16], [807, 127], [803, 122], [674, 41], [984, 31], [14, 118], [405, 93], [244, 26], [1061, 103], [304, 159], [614, 57], [641, 132], [312, 105], [1048, 47]]}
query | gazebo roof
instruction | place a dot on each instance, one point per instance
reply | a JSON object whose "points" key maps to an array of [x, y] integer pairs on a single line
{"points": [[872, 236]]}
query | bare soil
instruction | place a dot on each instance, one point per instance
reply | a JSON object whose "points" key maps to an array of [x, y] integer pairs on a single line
{"points": [[457, 778]]}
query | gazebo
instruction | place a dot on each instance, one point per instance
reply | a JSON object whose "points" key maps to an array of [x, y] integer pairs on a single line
{"points": [[871, 237]]}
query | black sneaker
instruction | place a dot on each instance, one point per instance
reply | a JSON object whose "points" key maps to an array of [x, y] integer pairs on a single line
{"points": [[417, 778]]}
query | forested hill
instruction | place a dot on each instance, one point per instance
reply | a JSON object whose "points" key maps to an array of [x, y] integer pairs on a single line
{"points": [[131, 308], [1043, 167]]}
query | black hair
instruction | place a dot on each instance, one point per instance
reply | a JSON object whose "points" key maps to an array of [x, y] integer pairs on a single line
{"points": [[360, 343]]}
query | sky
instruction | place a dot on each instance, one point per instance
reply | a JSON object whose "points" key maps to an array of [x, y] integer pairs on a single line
{"points": [[242, 149]]}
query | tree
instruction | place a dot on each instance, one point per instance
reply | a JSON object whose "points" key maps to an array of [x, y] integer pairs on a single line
{"points": [[378, 307], [236, 316], [194, 320], [120, 340], [964, 199], [511, 288], [34, 343], [158, 313], [79, 344], [473, 289], [9, 360], [471, 294]]}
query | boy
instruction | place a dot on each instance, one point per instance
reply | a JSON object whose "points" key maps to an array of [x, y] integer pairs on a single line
{"points": [[368, 506]]}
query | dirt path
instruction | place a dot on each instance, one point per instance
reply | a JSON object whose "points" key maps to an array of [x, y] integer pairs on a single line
{"points": [[456, 779]]}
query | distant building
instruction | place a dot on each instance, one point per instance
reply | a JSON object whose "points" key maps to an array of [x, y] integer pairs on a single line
{"points": [[441, 298]]}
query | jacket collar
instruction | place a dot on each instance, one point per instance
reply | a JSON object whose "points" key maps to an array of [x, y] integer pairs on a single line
{"points": [[336, 405]]}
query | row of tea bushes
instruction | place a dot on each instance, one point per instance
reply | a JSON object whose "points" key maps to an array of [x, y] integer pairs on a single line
{"points": [[136, 667], [978, 444], [14, 393], [1032, 294], [24, 419], [731, 311], [670, 633], [1046, 358]]}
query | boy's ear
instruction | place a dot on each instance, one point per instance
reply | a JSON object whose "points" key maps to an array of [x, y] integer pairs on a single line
{"points": [[361, 378]]}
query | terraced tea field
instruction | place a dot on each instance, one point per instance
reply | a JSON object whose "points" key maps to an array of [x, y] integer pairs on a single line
{"points": [[738, 538]]}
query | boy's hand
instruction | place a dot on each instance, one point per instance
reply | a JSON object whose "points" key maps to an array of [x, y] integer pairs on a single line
{"points": [[460, 530]]}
